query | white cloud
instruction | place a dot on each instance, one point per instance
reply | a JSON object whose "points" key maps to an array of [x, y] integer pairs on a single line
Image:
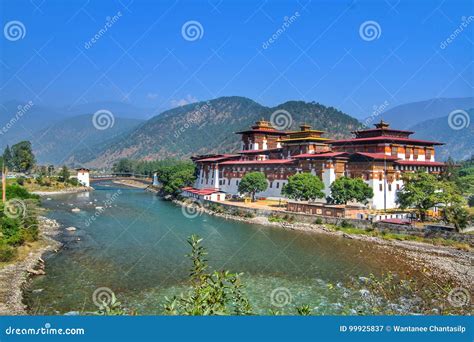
{"points": [[152, 96], [182, 102]]}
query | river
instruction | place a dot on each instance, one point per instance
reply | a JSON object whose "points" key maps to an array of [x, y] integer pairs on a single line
{"points": [[136, 246]]}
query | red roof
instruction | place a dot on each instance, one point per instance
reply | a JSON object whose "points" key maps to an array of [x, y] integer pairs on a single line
{"points": [[258, 162], [385, 138], [264, 131], [419, 163], [377, 156], [321, 155], [206, 191], [259, 151], [397, 221], [214, 159]]}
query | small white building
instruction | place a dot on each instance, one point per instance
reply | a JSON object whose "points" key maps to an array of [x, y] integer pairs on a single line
{"points": [[203, 194], [83, 176]]}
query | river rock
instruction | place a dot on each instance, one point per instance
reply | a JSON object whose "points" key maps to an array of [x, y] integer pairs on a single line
{"points": [[36, 272], [75, 210], [71, 229]]}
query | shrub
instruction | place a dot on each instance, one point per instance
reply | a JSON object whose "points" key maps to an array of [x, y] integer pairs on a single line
{"points": [[20, 180], [318, 221], [7, 252]]}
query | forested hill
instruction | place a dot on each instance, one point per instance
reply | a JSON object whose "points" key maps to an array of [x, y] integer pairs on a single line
{"points": [[208, 127]]}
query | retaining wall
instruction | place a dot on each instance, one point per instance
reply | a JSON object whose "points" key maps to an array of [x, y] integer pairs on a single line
{"points": [[427, 232]]}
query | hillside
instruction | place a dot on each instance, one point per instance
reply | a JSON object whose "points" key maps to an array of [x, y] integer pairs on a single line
{"points": [[459, 143], [55, 144], [207, 127], [410, 114]]}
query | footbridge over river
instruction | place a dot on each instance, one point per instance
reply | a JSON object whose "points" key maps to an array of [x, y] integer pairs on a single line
{"points": [[121, 176]]}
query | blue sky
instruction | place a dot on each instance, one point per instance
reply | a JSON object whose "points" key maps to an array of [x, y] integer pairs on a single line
{"points": [[320, 55]]}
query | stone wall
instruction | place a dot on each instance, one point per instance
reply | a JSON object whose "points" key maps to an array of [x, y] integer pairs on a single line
{"points": [[427, 232]]}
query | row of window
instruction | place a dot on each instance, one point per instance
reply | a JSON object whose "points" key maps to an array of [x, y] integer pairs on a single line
{"points": [[389, 187]]}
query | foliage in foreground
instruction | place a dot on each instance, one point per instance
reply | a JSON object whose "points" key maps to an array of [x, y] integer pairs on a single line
{"points": [[18, 221], [345, 189]]}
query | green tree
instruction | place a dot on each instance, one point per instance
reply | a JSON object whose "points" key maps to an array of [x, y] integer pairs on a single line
{"points": [[420, 191], [252, 183], [123, 166], [64, 174], [303, 186], [345, 189], [7, 158], [23, 158]]}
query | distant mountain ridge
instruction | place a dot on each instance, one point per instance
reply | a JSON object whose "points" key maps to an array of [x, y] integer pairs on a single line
{"points": [[208, 127], [407, 115], [459, 141]]}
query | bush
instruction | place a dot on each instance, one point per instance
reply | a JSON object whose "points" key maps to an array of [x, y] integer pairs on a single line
{"points": [[73, 181], [20, 180], [345, 224], [7, 252], [318, 221]]}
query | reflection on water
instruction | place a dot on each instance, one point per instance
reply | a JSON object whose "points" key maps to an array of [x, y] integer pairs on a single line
{"points": [[134, 243]]}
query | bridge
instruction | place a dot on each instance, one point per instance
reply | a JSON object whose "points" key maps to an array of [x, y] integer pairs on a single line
{"points": [[118, 176]]}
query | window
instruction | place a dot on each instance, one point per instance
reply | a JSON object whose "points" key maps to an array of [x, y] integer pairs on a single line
{"points": [[380, 176], [380, 187], [398, 186], [236, 182], [277, 185], [390, 187], [428, 154], [394, 151], [228, 181], [271, 184]]}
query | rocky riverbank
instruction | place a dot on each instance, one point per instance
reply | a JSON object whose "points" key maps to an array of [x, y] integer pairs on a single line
{"points": [[132, 183], [63, 191], [442, 263], [15, 275]]}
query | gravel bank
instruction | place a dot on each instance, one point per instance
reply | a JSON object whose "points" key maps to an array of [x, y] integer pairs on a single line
{"points": [[14, 276]]}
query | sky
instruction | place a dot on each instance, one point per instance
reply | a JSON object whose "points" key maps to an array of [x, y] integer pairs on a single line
{"points": [[352, 55]]}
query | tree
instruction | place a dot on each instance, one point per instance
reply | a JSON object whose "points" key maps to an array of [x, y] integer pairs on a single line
{"points": [[123, 166], [64, 174], [7, 158], [457, 215], [252, 183], [345, 189], [421, 191], [303, 186], [23, 158], [50, 170]]}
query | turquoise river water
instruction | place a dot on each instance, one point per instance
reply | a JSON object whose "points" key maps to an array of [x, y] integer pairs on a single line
{"points": [[136, 246]]}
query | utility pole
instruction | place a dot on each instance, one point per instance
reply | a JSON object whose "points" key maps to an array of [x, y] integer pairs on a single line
{"points": [[385, 183], [4, 182]]}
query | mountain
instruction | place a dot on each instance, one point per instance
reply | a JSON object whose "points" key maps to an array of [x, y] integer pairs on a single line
{"points": [[410, 114], [56, 143], [19, 120], [459, 143], [208, 127]]}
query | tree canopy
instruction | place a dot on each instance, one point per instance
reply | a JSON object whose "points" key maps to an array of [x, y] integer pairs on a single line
{"points": [[22, 157], [345, 189], [252, 183], [303, 186]]}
